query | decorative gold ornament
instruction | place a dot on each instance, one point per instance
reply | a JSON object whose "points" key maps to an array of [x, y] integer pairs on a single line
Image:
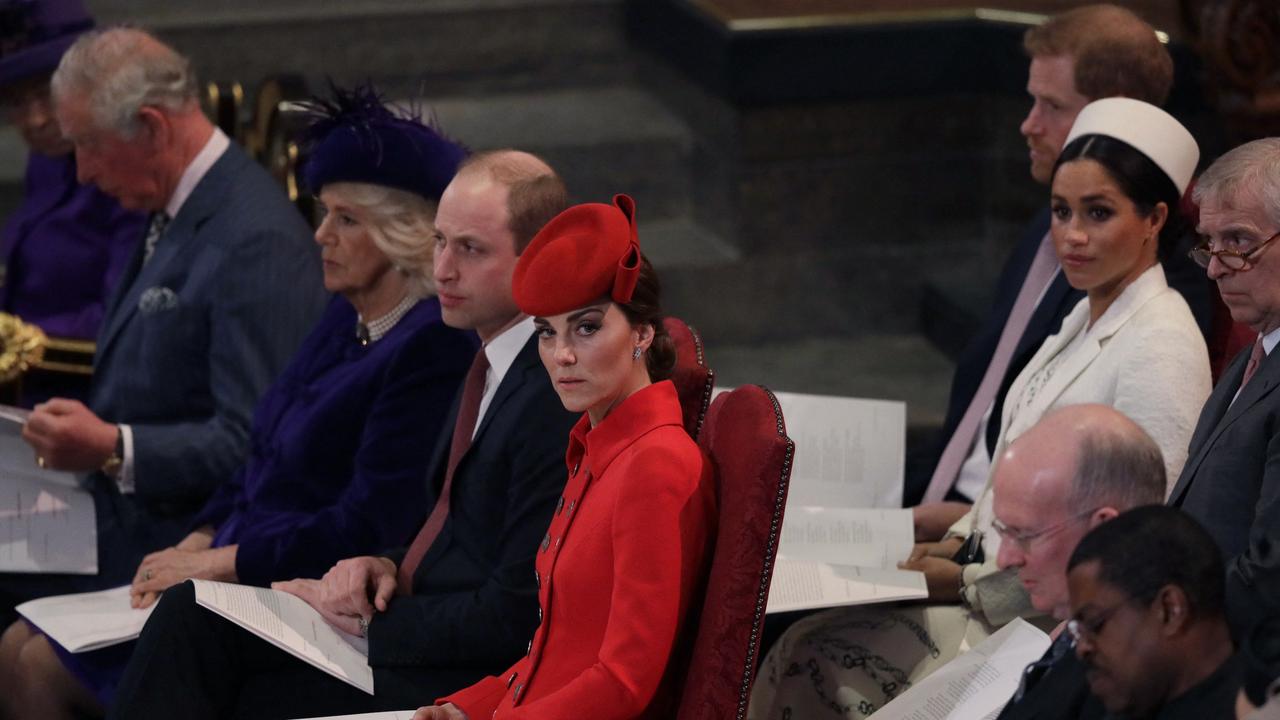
{"points": [[21, 347]]}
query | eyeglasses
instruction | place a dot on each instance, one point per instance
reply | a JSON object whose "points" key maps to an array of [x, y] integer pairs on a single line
{"points": [[1023, 540], [1088, 630], [1203, 253]]}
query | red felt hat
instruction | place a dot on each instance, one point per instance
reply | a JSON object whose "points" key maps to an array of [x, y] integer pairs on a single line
{"points": [[585, 253]]}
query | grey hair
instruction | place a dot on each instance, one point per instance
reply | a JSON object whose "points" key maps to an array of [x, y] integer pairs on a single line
{"points": [[401, 225], [1120, 468], [120, 70], [1250, 172]]}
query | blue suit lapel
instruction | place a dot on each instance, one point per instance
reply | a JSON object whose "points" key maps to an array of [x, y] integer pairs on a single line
{"points": [[201, 204]]}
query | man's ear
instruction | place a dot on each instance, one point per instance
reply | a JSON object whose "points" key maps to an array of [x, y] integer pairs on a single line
{"points": [[154, 126], [1101, 515], [1174, 610]]}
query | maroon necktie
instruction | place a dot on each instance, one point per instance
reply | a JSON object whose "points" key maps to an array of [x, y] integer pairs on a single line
{"points": [[463, 429]]}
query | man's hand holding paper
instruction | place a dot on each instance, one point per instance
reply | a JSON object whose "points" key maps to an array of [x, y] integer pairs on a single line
{"points": [[311, 592], [66, 435], [350, 593], [359, 586]]}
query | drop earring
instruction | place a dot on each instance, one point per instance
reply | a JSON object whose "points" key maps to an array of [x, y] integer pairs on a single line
{"points": [[636, 355]]}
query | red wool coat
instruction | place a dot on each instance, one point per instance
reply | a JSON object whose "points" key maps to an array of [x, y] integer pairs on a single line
{"points": [[617, 572]]}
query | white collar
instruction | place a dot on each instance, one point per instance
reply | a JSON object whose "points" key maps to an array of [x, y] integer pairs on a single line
{"points": [[502, 350], [213, 149], [1270, 340]]}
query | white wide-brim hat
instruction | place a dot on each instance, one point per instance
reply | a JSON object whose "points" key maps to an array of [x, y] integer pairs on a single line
{"points": [[1148, 129]]}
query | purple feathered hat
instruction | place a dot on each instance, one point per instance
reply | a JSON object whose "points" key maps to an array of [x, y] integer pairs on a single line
{"points": [[354, 137], [35, 33]]}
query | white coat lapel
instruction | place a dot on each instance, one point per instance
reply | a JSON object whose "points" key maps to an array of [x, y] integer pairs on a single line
{"points": [[1141, 291]]}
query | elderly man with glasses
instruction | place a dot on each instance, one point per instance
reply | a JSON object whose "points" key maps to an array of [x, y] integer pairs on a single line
{"points": [[1231, 481], [1074, 470]]}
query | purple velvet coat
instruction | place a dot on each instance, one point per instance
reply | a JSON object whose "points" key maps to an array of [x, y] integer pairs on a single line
{"points": [[337, 464], [64, 249]]}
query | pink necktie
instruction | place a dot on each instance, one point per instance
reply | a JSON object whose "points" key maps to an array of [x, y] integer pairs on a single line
{"points": [[1255, 359], [1043, 267], [463, 429]]}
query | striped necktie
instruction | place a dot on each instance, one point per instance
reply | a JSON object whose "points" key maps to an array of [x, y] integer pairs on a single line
{"points": [[159, 221]]}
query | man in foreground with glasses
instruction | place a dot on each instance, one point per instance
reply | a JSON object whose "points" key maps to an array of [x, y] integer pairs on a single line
{"points": [[1148, 618], [1050, 492], [1231, 481]]}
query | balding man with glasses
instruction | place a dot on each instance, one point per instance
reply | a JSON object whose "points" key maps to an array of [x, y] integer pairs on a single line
{"points": [[1231, 481], [1077, 468]]}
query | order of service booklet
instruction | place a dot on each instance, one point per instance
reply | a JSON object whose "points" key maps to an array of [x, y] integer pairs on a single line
{"points": [[292, 625], [87, 621]]}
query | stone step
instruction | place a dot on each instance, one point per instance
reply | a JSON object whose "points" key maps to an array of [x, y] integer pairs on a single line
{"points": [[602, 141], [443, 45], [865, 288]]}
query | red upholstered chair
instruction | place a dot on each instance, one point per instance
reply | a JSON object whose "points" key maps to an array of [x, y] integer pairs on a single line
{"points": [[747, 441], [692, 378]]}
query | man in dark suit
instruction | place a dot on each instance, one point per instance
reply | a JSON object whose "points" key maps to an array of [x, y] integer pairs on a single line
{"points": [[216, 299], [1231, 482], [1077, 57], [459, 603]]}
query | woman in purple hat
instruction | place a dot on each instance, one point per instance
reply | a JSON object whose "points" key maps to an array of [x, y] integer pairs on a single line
{"points": [[66, 244], [340, 443]]}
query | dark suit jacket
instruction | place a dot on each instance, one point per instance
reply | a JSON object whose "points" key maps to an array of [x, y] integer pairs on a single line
{"points": [[190, 343], [1231, 482], [1054, 688], [1183, 275], [474, 602]]}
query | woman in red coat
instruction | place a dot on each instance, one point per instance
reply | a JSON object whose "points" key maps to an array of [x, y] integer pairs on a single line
{"points": [[625, 556]]}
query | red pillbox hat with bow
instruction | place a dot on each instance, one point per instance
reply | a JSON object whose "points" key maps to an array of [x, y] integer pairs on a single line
{"points": [[585, 253]]}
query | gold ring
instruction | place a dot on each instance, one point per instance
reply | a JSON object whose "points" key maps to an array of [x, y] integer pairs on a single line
{"points": [[146, 574], [40, 461]]}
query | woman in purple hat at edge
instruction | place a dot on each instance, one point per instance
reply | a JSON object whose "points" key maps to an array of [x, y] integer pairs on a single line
{"points": [[66, 245], [625, 557], [341, 441]]}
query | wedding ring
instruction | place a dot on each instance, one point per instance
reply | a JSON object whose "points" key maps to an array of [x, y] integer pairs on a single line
{"points": [[146, 574], [364, 625]]}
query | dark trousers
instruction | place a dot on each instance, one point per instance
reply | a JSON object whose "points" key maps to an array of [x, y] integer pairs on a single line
{"points": [[193, 664]]}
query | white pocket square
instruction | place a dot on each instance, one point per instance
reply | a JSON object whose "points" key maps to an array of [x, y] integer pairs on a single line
{"points": [[157, 299]]}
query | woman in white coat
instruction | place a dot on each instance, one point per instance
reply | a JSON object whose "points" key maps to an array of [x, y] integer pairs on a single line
{"points": [[1132, 343]]}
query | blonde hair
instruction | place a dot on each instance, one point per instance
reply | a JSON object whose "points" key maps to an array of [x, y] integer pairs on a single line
{"points": [[401, 225]]}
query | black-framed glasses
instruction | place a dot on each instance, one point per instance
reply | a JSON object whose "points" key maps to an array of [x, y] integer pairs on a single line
{"points": [[1203, 253], [1024, 539], [1087, 630]]}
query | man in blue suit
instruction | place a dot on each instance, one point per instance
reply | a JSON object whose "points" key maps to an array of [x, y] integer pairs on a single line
{"points": [[216, 299]]}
